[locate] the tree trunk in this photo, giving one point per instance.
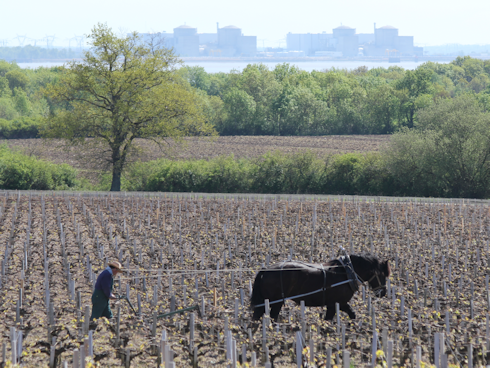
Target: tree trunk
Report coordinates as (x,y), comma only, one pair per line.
(116,178)
(119,152)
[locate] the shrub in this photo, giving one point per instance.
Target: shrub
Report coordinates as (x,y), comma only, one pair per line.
(447,154)
(18,171)
(223,174)
(270,173)
(23,127)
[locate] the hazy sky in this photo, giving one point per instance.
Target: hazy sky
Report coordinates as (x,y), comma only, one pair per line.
(431,22)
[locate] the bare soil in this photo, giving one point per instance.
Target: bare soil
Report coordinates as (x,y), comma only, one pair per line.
(169,245)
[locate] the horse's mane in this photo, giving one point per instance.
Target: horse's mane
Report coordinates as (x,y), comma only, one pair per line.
(370,259)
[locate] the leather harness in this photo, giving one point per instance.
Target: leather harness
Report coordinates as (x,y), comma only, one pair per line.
(352,279)
(351,274)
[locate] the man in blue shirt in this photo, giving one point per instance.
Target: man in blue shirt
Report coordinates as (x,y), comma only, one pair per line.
(103,291)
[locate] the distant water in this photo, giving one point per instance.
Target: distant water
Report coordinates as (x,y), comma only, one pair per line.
(227,66)
(215,67)
(46,64)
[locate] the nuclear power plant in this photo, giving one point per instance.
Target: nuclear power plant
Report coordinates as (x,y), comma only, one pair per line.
(228,41)
(343,42)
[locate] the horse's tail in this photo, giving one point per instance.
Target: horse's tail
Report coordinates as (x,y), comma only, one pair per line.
(257,297)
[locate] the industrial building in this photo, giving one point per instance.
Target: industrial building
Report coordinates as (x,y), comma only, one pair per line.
(387,41)
(342,42)
(345,42)
(186,41)
(228,41)
(231,42)
(161,38)
(309,43)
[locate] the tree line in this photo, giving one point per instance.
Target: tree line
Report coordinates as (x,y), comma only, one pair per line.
(289,101)
(282,101)
(29,53)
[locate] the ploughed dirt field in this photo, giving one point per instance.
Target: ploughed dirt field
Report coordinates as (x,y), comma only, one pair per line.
(195,148)
(181,251)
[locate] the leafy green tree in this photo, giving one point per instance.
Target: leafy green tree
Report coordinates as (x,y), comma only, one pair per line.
(5,67)
(285,72)
(122,90)
(197,77)
(22,104)
(381,107)
(218,83)
(473,68)
(296,111)
(448,154)
(240,109)
(17,79)
(259,83)
(4,87)
(413,86)
(479,83)
(7,109)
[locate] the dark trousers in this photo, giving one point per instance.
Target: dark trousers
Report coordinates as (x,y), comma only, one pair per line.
(100,305)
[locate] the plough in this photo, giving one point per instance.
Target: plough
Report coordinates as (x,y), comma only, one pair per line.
(164,315)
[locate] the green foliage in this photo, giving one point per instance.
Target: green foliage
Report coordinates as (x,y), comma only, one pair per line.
(22,127)
(22,172)
(448,154)
(240,108)
(284,100)
(4,87)
(197,77)
(7,109)
(279,173)
(272,173)
(21,91)
(289,101)
(122,90)
(221,175)
(17,79)
(6,67)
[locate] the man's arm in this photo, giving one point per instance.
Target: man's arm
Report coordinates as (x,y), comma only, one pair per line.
(105,284)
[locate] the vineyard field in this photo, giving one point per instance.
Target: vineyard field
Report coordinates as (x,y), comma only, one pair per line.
(203,251)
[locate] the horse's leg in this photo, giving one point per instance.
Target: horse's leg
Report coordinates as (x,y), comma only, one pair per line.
(275,309)
(330,312)
(347,309)
(258,312)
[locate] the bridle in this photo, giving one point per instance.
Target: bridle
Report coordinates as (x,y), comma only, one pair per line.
(378,289)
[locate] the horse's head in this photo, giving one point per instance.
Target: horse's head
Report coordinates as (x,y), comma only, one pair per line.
(377,282)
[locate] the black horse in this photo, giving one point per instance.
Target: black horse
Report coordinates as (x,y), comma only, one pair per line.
(323,284)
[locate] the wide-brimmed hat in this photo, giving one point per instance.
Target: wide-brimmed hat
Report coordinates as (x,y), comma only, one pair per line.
(116,265)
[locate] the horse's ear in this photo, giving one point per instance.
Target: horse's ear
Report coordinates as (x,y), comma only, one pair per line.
(386,268)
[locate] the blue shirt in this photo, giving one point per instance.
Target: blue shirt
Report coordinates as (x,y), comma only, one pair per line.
(104,282)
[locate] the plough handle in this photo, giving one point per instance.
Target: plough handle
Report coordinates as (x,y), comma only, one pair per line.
(180,311)
(126,298)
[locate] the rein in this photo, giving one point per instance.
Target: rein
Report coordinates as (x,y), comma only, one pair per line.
(300,295)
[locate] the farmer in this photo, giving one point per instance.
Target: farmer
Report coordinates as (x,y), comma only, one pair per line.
(103,291)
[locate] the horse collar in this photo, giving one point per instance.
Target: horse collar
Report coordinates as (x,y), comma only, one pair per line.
(351,274)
